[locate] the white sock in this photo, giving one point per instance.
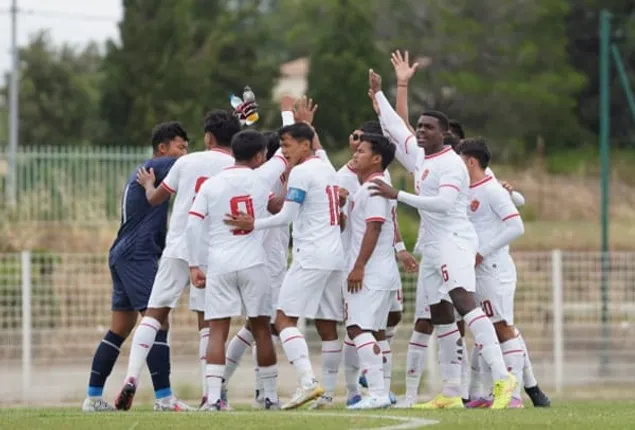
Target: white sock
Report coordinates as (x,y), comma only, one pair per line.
(297,352)
(269,378)
(390,334)
(529,379)
(142,341)
(387,363)
(450,356)
(371,361)
(331,359)
(203,338)
(415,362)
(513,355)
(235,351)
(465,372)
(476,379)
(485,335)
(258,377)
(351,367)
(214,377)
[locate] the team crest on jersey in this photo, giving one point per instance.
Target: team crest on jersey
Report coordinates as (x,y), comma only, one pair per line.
(474,205)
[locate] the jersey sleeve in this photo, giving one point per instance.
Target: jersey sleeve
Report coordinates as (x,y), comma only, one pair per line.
(201,201)
(376,209)
(501,203)
(271,171)
(171,180)
(298,184)
(396,129)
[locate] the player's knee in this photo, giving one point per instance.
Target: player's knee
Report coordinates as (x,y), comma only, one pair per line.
(394,318)
(354,331)
(326,329)
(123,322)
(504,332)
(424,326)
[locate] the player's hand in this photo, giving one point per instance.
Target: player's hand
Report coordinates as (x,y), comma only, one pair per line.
(355,279)
(401,64)
(343,195)
(380,188)
(305,110)
(507,186)
(374,81)
(197,277)
(408,262)
(146,178)
(287,104)
(371,94)
(479,259)
(242,222)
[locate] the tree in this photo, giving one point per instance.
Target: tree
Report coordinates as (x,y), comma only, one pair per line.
(338,79)
(58,93)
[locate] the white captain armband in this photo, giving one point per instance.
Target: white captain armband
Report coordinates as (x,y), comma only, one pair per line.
(296,195)
(400,246)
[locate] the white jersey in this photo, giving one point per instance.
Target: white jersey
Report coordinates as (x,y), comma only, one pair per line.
(276,240)
(381,271)
(316,230)
(433,172)
(347,178)
(236,189)
(185,179)
(490,207)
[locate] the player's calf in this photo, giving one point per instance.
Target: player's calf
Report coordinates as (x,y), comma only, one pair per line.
(266,360)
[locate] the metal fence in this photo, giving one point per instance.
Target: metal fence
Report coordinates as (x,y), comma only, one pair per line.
(74,185)
(54,309)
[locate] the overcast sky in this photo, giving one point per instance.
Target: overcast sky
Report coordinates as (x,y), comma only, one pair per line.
(74,21)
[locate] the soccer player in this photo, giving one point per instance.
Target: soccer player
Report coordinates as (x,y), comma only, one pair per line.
(497,223)
(349,180)
(185,179)
(374,279)
(446,275)
(312,287)
(133,264)
(236,274)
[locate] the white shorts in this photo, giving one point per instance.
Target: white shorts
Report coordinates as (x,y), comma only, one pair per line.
(172,277)
(495,289)
(312,293)
(397,301)
(245,292)
(276,281)
(368,309)
(197,296)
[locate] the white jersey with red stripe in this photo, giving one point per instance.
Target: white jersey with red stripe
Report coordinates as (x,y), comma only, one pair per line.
(381,271)
(236,189)
(347,178)
(185,179)
(433,172)
(490,207)
(316,230)
(276,240)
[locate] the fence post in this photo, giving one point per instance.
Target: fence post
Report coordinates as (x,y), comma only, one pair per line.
(558,319)
(26,325)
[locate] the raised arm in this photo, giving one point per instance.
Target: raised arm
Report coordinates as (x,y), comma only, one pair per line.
(404,72)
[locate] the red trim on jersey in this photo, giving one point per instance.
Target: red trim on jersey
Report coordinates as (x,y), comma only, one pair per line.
(167,188)
(236,167)
(438,154)
(376,219)
(200,215)
(223,150)
(450,186)
(481,182)
(511,216)
(374,175)
(406,143)
(284,160)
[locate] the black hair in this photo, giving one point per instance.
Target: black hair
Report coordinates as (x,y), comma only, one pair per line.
(166,132)
(373,127)
(476,147)
(273,143)
(298,131)
(222,125)
(381,146)
(452,141)
(247,144)
(456,128)
(444,122)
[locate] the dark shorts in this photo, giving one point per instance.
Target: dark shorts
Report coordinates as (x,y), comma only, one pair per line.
(132,283)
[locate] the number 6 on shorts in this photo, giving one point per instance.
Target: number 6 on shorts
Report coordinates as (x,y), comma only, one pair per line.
(444,273)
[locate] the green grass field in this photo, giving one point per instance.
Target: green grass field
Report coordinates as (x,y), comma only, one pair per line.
(573,415)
